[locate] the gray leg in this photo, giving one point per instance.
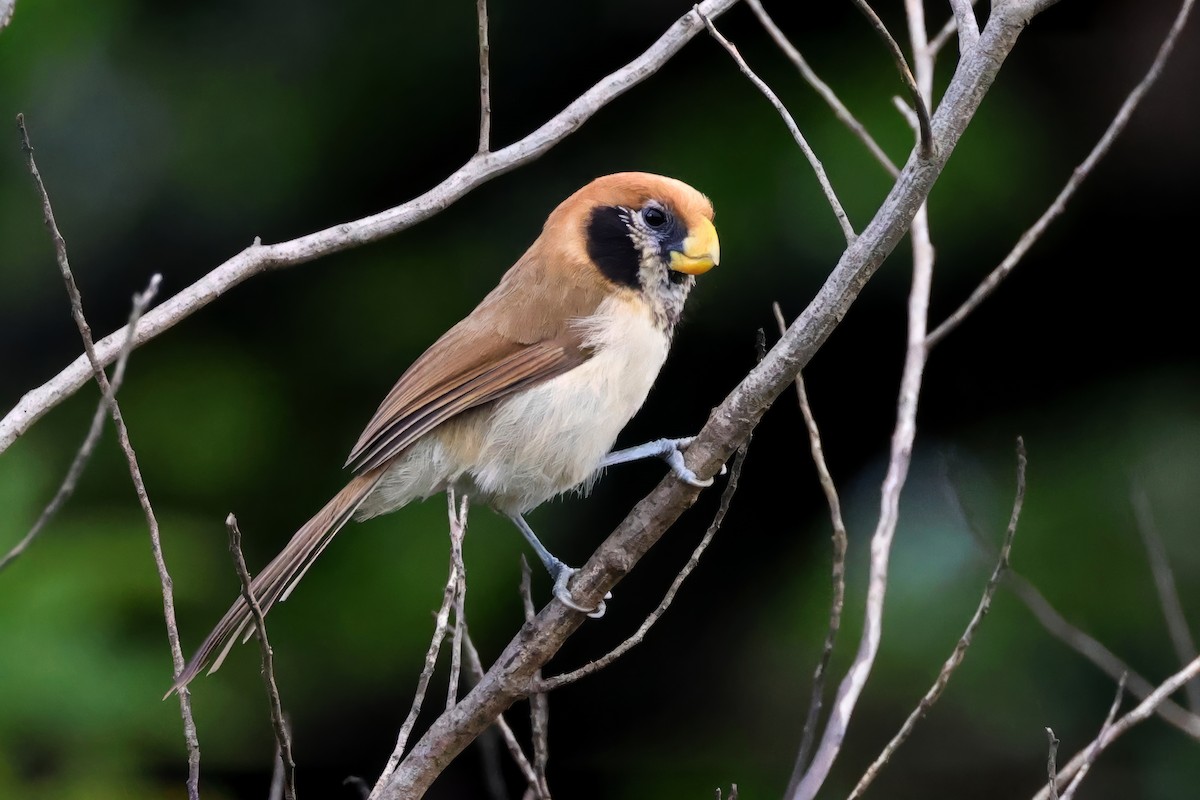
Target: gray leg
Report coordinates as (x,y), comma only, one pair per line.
(559,571)
(669,450)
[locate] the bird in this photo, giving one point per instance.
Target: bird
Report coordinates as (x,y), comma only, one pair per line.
(523,399)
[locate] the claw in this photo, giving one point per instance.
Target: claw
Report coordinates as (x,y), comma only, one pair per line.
(564,594)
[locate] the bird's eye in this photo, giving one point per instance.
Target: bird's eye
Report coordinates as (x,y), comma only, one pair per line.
(655,217)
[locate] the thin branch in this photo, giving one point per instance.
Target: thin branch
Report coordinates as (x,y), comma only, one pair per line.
(960,649)
(948,29)
(838,598)
(881,541)
(793,128)
(440,629)
(510,678)
(7,7)
(135,473)
(910,83)
(282,738)
(539,703)
(1137,715)
(827,94)
(1094,751)
(1164,581)
(639,635)
(485,80)
(257,258)
(1057,626)
(1051,768)
(140,301)
(1081,172)
(458,531)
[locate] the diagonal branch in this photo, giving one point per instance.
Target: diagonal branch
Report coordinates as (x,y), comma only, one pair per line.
(135,473)
(1080,173)
(259,258)
(510,679)
(793,128)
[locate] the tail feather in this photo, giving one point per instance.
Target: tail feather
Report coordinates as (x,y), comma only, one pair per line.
(280,577)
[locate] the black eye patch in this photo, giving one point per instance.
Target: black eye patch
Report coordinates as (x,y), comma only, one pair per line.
(610,248)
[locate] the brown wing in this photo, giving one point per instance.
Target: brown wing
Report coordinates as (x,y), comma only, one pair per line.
(519,336)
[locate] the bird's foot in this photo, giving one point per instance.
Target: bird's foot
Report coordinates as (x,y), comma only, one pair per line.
(672,453)
(563,593)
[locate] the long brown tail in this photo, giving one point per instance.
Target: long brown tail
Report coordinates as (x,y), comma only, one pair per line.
(279,577)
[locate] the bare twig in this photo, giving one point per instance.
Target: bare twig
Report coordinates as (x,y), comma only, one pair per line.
(141,301)
(1138,714)
(485,81)
(282,738)
(838,598)
(639,635)
(910,83)
(539,703)
(793,128)
(881,541)
(827,94)
(440,629)
(258,259)
(1051,769)
(135,473)
(1094,751)
(7,7)
(1168,595)
(458,531)
(475,667)
(1058,627)
(1081,172)
(960,649)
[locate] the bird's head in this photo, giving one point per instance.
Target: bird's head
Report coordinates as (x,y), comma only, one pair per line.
(644,233)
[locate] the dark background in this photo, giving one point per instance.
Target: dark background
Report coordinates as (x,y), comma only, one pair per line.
(170,135)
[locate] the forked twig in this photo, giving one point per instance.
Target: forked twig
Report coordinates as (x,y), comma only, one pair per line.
(440,629)
(1094,751)
(1138,714)
(141,300)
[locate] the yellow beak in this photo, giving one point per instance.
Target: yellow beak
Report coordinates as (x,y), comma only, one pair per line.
(701,250)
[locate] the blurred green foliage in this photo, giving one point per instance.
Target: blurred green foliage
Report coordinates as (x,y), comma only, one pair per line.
(170,135)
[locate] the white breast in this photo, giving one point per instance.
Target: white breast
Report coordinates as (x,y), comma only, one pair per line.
(549,439)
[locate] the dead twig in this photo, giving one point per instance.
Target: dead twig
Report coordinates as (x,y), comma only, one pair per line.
(1168,595)
(485,80)
(838,572)
(135,473)
(1027,240)
(793,128)
(925,126)
(1094,751)
(283,738)
(960,649)
(440,629)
